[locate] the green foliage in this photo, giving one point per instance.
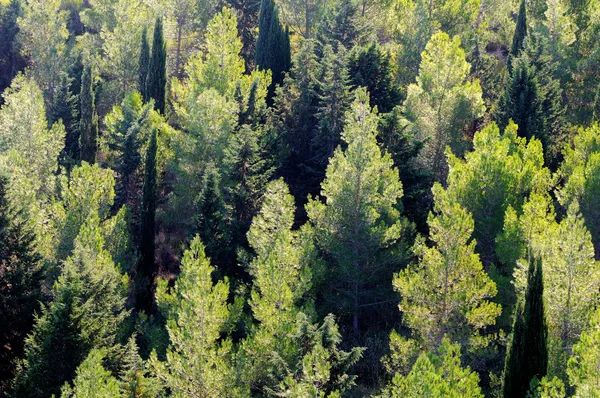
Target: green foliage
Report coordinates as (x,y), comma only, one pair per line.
(500,172)
(87,311)
(11,60)
(580,171)
(21,273)
(371,67)
(92,379)
(527,355)
(43,35)
(437,375)
(88,121)
(64,108)
(156,81)
(546,388)
(520,34)
(446,293)
(199,362)
(443,103)
(358,228)
(583,364)
(144,66)
(272,45)
(146,267)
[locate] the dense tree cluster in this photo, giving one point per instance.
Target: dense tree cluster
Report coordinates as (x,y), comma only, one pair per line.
(299,198)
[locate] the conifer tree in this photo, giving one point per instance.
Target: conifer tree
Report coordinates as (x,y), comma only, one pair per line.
(11,60)
(88,121)
(334,99)
(582,368)
(273,45)
(437,375)
(518,41)
(135,377)
(527,355)
(521,101)
(64,107)
(87,311)
(144,65)
(212,218)
(371,67)
(156,82)
(446,294)
(21,274)
(92,379)
(146,266)
(198,361)
(358,228)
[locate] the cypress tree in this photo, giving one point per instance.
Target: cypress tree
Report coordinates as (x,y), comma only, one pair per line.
(156,81)
(273,45)
(521,100)
(64,107)
(146,266)
(519,36)
(144,64)
(527,355)
(21,274)
(88,122)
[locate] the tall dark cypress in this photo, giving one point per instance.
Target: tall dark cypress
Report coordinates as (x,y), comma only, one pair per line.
(521,102)
(64,107)
(273,45)
(157,72)
(144,65)
(519,35)
(146,265)
(88,122)
(527,355)
(21,274)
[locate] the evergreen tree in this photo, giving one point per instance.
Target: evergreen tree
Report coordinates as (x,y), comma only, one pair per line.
(521,101)
(358,227)
(334,100)
(21,274)
(135,378)
(518,41)
(11,60)
(144,65)
(156,82)
(583,365)
(273,45)
(527,355)
(64,108)
(198,361)
(146,266)
(446,294)
(371,67)
(88,121)
(92,379)
(212,218)
(87,312)
(339,25)
(437,375)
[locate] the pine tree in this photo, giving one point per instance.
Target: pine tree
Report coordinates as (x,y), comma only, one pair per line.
(88,121)
(358,227)
(21,274)
(334,100)
(273,45)
(156,81)
(87,312)
(518,41)
(146,266)
(521,101)
(64,107)
(527,355)
(371,67)
(583,365)
(144,65)
(447,293)
(437,375)
(136,382)
(212,218)
(92,379)
(197,313)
